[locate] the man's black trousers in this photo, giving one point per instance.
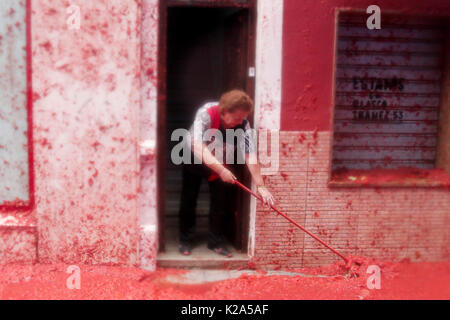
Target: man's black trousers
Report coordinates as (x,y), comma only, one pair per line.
(222,205)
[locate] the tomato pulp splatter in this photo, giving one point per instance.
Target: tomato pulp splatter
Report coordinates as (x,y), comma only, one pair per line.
(403,280)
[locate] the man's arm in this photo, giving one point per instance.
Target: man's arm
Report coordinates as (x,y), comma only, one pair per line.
(202,152)
(255,171)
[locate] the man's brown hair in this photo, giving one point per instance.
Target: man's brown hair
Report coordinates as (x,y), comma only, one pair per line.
(235,100)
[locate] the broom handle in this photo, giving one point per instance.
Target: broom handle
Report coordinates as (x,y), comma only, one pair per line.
(292,221)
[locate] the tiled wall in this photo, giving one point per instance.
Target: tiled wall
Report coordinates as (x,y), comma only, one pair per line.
(383,223)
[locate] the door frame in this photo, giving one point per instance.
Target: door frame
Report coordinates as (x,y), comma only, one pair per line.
(164,5)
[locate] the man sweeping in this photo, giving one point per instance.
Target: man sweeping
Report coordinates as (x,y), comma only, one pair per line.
(214,158)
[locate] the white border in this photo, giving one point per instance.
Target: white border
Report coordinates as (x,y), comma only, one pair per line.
(269,52)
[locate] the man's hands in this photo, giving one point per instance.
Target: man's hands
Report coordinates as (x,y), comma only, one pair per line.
(266,196)
(226,175)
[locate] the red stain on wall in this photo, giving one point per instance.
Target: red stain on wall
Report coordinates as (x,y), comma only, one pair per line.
(86,96)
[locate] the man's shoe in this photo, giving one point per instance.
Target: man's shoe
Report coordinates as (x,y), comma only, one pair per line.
(185,249)
(222,250)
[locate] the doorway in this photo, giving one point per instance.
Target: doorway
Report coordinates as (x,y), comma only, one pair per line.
(208,50)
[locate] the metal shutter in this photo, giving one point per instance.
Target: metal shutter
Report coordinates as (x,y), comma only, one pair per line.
(387,92)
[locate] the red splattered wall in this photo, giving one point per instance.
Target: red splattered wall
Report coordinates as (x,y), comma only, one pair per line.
(388,223)
(85,107)
(384,223)
(88,92)
(91,106)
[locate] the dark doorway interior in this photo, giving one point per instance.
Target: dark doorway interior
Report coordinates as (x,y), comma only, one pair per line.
(206,56)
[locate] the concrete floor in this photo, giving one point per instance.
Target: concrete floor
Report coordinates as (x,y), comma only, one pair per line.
(201,257)
(207,266)
(198,276)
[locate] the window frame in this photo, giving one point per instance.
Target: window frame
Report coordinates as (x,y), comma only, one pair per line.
(362,178)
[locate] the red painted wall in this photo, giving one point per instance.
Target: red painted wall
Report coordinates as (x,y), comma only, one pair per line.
(308,55)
